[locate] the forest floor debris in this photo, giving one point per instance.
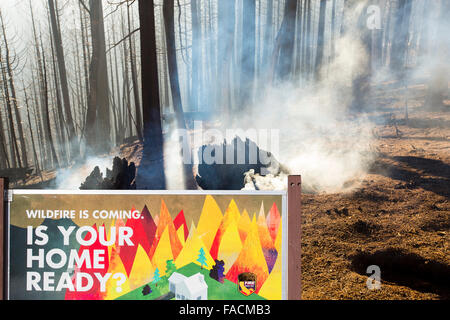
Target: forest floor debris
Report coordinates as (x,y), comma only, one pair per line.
(399,219)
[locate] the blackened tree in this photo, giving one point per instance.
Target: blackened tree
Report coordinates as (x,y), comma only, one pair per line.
(151,172)
(217,271)
(146,290)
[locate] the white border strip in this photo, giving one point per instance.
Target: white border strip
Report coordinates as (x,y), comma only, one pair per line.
(8,232)
(151,192)
(284,248)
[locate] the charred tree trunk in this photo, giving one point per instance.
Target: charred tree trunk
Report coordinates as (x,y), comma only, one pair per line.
(320,40)
(98,114)
(212,74)
(308,41)
(120,177)
(225,51)
(37,101)
(333,31)
(400,42)
(4,160)
(166,98)
(13,146)
(168,12)
(126,83)
(85,49)
(38,120)
(299,39)
(13,100)
(33,145)
(248,38)
(386,35)
(61,129)
(137,101)
(286,40)
(68,120)
(113,100)
(377,46)
(362,76)
(79,92)
(425,34)
(196,55)
(268,35)
(151,173)
(47,124)
(6,137)
(120,125)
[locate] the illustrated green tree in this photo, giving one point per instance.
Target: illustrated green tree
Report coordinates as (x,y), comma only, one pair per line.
(202,258)
(170,267)
(156,277)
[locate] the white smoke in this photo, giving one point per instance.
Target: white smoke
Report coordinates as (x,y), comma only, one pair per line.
(71,178)
(173,162)
(319,138)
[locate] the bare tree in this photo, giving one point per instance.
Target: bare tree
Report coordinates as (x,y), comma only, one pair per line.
(46,111)
(320,40)
(98,113)
(308,40)
(151,174)
(226,25)
(248,43)
(33,144)
(68,119)
(196,54)
(13,99)
(401,36)
(286,40)
(168,12)
(4,160)
(134,80)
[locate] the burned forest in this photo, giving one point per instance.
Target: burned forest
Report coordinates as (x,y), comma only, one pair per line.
(238,95)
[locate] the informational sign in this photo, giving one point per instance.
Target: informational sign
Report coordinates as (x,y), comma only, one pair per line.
(136,245)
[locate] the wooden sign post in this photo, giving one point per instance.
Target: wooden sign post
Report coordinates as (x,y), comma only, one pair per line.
(3,185)
(294,237)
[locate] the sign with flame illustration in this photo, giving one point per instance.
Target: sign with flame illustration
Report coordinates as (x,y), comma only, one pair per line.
(147,245)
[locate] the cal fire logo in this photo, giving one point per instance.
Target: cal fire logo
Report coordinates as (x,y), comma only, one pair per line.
(247,283)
